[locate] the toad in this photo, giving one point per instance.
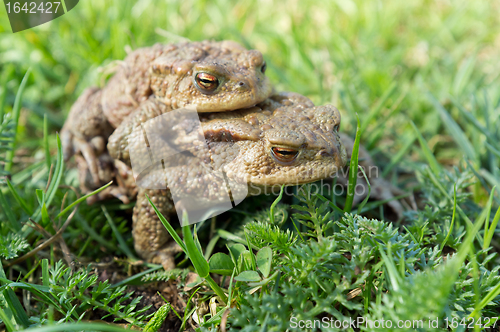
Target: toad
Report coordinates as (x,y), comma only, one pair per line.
(210,76)
(285,140)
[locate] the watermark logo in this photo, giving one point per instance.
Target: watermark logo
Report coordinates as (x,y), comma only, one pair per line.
(170,151)
(31,13)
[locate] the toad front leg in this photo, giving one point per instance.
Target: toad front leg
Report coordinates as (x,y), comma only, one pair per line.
(151,240)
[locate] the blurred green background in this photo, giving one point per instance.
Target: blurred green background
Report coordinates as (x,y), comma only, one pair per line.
(349,53)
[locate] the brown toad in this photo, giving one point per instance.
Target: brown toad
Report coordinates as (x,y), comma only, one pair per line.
(211,76)
(284,140)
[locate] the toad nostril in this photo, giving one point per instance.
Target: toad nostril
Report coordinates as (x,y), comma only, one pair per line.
(242,85)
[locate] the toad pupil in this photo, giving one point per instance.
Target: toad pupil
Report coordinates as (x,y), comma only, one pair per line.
(206,81)
(284,155)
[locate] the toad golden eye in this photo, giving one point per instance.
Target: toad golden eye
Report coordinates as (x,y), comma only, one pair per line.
(284,155)
(206,81)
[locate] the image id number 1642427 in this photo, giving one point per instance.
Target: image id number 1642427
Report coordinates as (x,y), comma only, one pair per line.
(32,7)
(485,322)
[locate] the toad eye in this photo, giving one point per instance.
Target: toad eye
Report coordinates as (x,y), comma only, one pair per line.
(263,68)
(284,155)
(206,82)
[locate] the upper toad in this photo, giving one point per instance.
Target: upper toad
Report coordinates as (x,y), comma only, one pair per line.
(210,76)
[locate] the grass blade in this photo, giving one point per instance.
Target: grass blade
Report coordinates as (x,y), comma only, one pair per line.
(276,201)
(169,227)
(5,78)
(45,272)
(16,112)
(492,149)
(487,299)
(210,246)
(452,219)
(3,94)
(373,205)
(331,204)
(6,320)
(394,275)
(488,236)
(429,156)
(6,314)
(58,173)
(472,120)
(13,304)
(438,185)
(353,170)
(122,244)
(463,75)
(8,212)
(199,262)
(46,140)
(363,203)
(399,155)
(81,199)
(374,113)
(137,276)
(454,130)
(18,198)
(93,234)
(487,212)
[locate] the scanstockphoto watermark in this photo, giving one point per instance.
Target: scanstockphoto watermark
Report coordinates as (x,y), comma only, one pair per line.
(360,322)
(209,177)
(384,324)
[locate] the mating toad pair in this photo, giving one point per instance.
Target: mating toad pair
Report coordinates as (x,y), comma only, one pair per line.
(252,132)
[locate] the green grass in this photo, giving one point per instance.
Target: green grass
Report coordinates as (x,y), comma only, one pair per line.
(424,79)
